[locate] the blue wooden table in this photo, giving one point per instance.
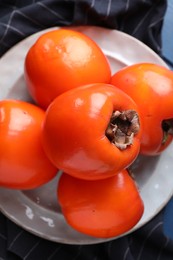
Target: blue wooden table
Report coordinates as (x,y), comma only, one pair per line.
(167,53)
(167,34)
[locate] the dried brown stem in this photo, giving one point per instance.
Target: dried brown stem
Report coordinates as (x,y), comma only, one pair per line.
(122,128)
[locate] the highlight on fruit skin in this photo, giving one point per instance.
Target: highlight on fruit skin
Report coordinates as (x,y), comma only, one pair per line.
(103,208)
(62,59)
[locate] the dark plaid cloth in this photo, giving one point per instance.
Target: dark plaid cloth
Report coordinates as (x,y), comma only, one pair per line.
(147,243)
(142,19)
(139,18)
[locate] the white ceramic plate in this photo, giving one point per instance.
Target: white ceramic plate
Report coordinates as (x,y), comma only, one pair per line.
(37,210)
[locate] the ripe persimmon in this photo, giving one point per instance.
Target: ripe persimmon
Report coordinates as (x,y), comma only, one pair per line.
(151,87)
(101,208)
(62,59)
(92,132)
(23,162)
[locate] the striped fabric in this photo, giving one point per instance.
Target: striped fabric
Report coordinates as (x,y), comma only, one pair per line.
(142,19)
(147,243)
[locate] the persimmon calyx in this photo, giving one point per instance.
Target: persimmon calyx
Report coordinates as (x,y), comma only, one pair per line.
(122,128)
(167,126)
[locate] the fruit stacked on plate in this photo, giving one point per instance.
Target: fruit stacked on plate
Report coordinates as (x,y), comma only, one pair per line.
(89,122)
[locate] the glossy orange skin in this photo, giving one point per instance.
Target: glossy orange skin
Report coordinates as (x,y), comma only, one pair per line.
(100,208)
(23,163)
(61,60)
(151,87)
(74,132)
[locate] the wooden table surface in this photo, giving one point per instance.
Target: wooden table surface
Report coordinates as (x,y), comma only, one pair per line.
(167,34)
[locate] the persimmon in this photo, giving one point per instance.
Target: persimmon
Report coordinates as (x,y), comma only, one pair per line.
(100,208)
(23,162)
(92,131)
(62,59)
(151,88)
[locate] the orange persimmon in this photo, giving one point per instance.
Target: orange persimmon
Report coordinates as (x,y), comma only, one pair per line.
(92,131)
(62,59)
(23,162)
(100,208)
